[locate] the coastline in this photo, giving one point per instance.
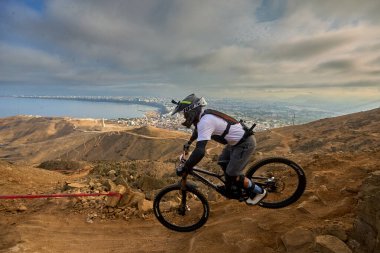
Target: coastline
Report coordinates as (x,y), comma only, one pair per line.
(84,108)
(124,100)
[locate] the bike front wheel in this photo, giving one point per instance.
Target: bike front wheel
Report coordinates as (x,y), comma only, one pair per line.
(181,210)
(283,179)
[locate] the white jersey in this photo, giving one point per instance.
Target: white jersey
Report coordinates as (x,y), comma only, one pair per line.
(210,124)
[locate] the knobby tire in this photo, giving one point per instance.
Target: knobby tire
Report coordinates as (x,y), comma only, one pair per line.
(158,208)
(300,176)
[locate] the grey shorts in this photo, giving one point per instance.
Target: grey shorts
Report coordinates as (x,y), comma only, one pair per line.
(234,158)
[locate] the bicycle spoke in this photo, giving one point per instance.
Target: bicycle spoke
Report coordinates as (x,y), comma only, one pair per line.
(175,213)
(280,180)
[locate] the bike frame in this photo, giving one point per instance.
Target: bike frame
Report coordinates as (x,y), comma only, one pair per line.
(196,173)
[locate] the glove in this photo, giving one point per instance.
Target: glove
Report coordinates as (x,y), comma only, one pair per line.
(180,170)
(186,147)
(183,160)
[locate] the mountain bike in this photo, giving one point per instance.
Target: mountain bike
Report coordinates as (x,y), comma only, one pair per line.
(183,207)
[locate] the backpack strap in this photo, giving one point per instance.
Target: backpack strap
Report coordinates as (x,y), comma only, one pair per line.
(230,121)
(226,130)
(222,115)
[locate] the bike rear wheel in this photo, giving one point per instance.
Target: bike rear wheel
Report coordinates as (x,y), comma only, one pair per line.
(181,210)
(283,179)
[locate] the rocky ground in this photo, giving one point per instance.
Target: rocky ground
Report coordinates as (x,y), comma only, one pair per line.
(339,211)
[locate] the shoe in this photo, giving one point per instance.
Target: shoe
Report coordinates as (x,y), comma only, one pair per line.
(256,198)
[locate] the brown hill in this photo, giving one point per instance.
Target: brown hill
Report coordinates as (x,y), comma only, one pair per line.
(338,154)
(37,139)
(34,139)
(146,143)
(350,133)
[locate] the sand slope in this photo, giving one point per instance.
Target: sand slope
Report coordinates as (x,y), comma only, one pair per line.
(37,139)
(337,155)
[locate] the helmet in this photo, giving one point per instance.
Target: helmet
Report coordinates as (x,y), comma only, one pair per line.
(191,107)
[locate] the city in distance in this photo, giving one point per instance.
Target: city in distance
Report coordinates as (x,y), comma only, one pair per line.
(265,113)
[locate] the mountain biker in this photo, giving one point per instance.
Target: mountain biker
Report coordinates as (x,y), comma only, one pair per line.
(210,124)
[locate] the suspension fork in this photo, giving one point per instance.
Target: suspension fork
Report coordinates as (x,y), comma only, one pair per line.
(182,207)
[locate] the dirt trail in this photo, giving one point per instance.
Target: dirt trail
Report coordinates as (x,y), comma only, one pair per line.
(232,225)
(284,141)
(71,233)
(51,225)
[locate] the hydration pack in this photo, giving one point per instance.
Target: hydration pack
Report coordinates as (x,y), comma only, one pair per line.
(248,131)
(230,121)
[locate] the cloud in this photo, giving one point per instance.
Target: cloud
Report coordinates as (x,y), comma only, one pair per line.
(339,12)
(20,63)
(208,46)
(270,10)
(309,47)
(337,65)
(375,61)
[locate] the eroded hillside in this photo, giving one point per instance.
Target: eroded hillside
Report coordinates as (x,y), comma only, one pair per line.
(338,155)
(37,139)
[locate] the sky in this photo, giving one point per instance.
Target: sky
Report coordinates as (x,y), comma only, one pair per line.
(316,50)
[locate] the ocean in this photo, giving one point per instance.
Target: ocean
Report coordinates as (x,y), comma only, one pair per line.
(12,106)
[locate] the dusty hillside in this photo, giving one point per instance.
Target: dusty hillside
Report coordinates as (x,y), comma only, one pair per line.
(37,139)
(338,155)
(351,133)
(134,144)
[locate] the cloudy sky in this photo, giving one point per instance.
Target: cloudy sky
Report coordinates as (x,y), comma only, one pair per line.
(220,48)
